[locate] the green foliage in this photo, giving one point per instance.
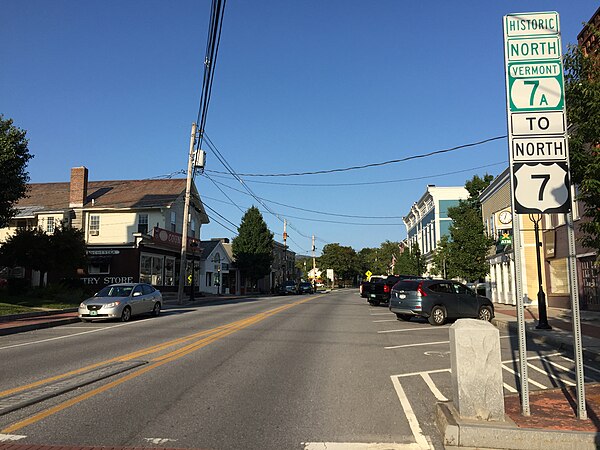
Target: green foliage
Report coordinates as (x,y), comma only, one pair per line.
(410,261)
(441,259)
(476,185)
(253,246)
(14,155)
(582,91)
(304,265)
(379,260)
(343,260)
(61,253)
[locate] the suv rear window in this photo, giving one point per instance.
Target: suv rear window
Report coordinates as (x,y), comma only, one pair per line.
(407,285)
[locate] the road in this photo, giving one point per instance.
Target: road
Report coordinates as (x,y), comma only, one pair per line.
(291,372)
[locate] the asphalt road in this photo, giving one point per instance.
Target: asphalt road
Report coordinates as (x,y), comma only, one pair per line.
(293,372)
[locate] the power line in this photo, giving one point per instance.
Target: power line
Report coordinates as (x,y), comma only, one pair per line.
(312,210)
(393,161)
(224,218)
(224,226)
(366,183)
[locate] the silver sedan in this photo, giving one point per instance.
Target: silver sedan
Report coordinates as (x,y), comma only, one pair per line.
(121,301)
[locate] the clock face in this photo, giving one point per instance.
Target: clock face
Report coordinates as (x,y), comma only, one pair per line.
(505,217)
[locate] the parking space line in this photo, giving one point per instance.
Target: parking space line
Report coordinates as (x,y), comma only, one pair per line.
(380,314)
(586,366)
(412,374)
(411,329)
(413,423)
(554,377)
(416,345)
(440,397)
(566,369)
(385,320)
(509,388)
(535,383)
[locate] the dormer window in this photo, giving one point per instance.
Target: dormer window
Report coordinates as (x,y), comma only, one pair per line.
(143,223)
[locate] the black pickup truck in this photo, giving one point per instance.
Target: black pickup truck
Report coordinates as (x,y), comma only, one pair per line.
(380,291)
(365,285)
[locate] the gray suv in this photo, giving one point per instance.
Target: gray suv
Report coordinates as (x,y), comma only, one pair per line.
(437,301)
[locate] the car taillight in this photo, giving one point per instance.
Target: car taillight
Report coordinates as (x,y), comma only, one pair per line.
(420,291)
(386,288)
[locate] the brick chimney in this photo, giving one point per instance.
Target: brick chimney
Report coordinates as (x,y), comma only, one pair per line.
(78,187)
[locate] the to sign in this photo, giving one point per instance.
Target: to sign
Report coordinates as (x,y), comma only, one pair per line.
(538,147)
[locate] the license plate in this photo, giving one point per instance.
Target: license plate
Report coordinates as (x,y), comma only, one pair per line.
(372,295)
(93,313)
(401,295)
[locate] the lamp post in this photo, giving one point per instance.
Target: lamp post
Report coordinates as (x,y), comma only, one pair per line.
(193,245)
(543,319)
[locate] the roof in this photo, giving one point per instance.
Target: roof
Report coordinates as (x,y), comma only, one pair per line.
(107,194)
(207,247)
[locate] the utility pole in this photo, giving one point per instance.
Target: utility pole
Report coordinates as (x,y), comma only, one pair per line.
(284,250)
(186,212)
(314,264)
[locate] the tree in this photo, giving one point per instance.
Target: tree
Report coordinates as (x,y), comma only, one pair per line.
(343,261)
(410,261)
(14,155)
(379,260)
(253,246)
(582,91)
(59,254)
(466,250)
(441,259)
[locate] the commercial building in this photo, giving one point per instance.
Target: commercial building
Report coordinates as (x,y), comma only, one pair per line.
(427,220)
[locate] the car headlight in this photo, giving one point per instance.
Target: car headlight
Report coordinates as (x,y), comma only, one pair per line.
(112,305)
(82,305)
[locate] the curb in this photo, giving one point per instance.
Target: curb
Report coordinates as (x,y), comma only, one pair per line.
(37,326)
(457,432)
(11,317)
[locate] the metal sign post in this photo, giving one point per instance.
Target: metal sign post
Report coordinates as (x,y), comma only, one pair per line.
(538,153)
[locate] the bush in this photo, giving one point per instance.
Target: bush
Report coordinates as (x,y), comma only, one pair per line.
(18,286)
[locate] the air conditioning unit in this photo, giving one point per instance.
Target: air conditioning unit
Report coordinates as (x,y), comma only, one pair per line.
(94,232)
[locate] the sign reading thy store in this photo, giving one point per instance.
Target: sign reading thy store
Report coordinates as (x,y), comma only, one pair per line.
(538,148)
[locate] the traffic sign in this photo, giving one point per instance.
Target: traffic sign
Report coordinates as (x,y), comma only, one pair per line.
(538,146)
(541,187)
(368,273)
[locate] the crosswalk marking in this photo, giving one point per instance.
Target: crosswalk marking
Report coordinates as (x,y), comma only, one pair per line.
(535,383)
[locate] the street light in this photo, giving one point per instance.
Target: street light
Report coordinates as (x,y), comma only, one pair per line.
(193,245)
(543,319)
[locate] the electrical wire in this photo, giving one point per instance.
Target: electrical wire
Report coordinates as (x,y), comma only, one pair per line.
(364,166)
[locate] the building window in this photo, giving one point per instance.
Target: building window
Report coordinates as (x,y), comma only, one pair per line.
(193,228)
(209,276)
(173,221)
(98,268)
(151,268)
(50,225)
(143,223)
(559,280)
(94,225)
(169,271)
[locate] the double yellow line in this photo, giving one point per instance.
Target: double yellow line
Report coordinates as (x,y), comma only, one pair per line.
(206,337)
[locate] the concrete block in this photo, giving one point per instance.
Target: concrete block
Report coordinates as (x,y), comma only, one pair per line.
(477,383)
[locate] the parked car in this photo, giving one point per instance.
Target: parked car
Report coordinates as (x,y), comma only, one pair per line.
(305,287)
(365,286)
(437,301)
(380,291)
(288,287)
(121,301)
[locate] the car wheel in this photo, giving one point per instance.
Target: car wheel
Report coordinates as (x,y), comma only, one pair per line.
(374,302)
(485,313)
(126,314)
(156,309)
(405,317)
(437,316)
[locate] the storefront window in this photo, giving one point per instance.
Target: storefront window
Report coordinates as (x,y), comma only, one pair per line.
(169,271)
(559,280)
(151,268)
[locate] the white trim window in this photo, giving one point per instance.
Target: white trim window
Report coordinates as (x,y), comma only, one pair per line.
(142,223)
(50,225)
(173,221)
(94,225)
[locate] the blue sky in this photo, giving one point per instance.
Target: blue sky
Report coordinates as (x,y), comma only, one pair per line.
(299,86)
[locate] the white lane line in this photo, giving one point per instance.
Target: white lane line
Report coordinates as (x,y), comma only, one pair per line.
(380,314)
(416,345)
(411,329)
(385,320)
(10,437)
(509,388)
(72,335)
(440,397)
(535,383)
(554,377)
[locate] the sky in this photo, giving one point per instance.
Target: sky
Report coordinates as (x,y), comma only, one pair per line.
(299,86)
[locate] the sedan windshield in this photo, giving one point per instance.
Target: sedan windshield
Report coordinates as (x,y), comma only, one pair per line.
(114,291)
